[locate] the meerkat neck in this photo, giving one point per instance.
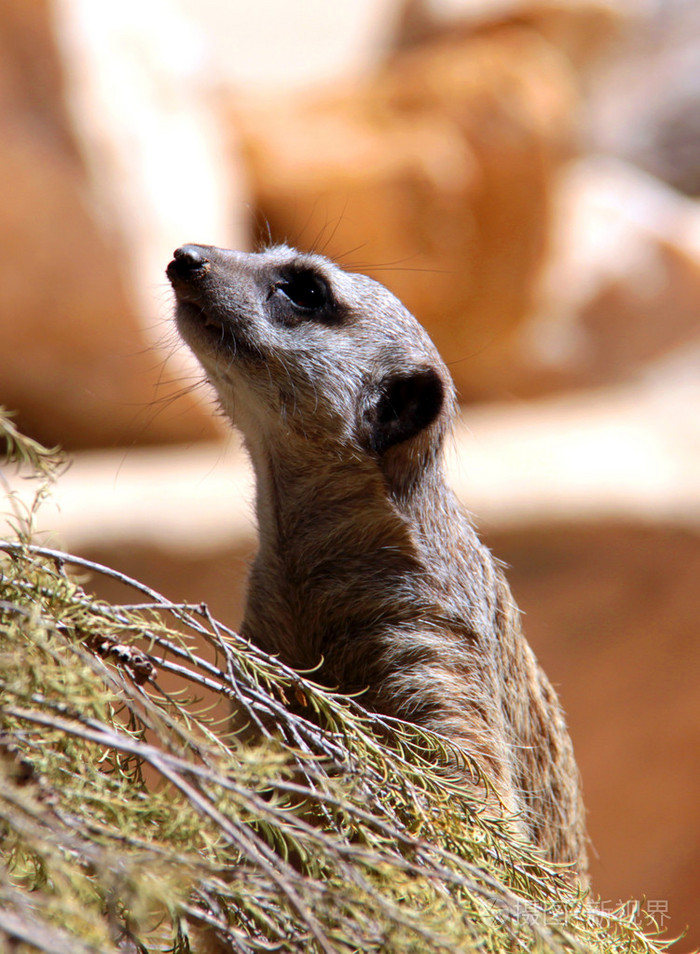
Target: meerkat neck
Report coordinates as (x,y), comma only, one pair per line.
(308,509)
(328,532)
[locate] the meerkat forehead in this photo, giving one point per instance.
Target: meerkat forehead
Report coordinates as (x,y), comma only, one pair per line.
(294,337)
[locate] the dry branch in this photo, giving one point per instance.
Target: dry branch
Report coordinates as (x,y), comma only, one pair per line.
(133,817)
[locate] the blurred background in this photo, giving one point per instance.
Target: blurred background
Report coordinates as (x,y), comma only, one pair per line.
(525,176)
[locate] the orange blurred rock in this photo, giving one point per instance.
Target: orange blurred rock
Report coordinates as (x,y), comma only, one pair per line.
(434,176)
(74,360)
(579,28)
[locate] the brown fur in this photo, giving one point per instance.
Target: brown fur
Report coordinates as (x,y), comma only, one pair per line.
(366,560)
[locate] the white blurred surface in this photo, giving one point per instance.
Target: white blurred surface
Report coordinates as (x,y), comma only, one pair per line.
(277,45)
(141,100)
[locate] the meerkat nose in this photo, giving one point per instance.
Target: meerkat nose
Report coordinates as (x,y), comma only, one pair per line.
(190,256)
(187,261)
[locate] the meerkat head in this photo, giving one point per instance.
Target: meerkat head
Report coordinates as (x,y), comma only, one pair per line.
(300,350)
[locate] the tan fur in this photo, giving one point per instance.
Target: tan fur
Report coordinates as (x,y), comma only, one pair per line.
(366,560)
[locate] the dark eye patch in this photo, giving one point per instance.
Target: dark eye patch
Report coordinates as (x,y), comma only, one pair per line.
(305,289)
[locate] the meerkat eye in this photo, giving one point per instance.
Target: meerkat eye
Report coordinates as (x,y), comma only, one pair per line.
(305,290)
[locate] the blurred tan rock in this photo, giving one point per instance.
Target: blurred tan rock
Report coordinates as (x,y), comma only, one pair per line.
(622,290)
(433,176)
(581,29)
(78,361)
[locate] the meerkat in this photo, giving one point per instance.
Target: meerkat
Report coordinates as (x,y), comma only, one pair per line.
(368,568)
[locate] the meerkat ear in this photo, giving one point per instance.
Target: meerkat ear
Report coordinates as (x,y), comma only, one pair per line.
(406,405)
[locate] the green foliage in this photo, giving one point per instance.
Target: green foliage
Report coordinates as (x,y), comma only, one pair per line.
(136,815)
(38,463)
